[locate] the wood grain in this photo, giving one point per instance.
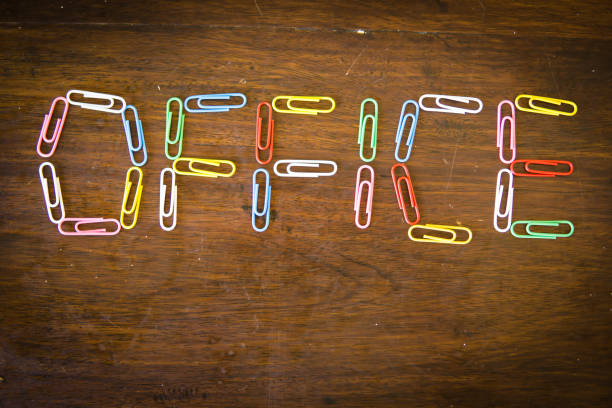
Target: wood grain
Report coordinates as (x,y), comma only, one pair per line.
(313,312)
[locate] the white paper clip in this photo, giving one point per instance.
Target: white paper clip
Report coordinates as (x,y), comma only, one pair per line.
(162,200)
(96,106)
(304,163)
(448,108)
(58,201)
(499,192)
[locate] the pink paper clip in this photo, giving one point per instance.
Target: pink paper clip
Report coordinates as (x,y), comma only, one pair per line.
(86,221)
(268,146)
(58,128)
(358,190)
(501,122)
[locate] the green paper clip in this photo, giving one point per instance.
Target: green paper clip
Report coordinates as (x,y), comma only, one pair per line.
(178,139)
(363,120)
(542,235)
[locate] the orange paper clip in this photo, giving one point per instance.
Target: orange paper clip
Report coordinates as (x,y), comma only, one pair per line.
(529,172)
(400,197)
(268,144)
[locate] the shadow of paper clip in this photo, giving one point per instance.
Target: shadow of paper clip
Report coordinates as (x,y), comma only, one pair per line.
(265,212)
(447,229)
(172,205)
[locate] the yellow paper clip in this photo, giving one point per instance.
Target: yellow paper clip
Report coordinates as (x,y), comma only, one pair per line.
(126,193)
(450,229)
(203,173)
(545,111)
(303,111)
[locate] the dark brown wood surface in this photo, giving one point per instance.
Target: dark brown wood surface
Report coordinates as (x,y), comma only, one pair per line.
(312,312)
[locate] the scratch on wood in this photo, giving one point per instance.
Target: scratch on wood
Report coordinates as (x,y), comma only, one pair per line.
(257,7)
(348,71)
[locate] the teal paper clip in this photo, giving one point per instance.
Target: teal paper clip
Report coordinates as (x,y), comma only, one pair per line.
(542,235)
(201,108)
(178,139)
(363,120)
(128,134)
(400,129)
(265,212)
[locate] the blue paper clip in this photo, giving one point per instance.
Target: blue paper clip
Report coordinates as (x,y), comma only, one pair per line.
(214,108)
(266,207)
(128,136)
(400,129)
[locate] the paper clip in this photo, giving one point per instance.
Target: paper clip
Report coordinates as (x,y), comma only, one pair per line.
(532,107)
(501,124)
(304,163)
(542,235)
(265,212)
(193,171)
(400,197)
(358,192)
(400,129)
(126,193)
(214,108)
(128,135)
(162,200)
(96,106)
(57,201)
(450,229)
(363,120)
(86,221)
(58,128)
(269,140)
(499,192)
(303,111)
(541,173)
(178,139)
(448,108)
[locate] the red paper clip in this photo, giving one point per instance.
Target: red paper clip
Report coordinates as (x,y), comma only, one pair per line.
(399,195)
(542,173)
(268,145)
(58,128)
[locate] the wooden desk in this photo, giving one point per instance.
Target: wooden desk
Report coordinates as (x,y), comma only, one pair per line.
(312,312)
